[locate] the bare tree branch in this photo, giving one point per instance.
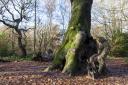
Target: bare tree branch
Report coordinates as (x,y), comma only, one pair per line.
(15,6)
(6,7)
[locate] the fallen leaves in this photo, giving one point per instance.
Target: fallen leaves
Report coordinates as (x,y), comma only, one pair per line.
(29,73)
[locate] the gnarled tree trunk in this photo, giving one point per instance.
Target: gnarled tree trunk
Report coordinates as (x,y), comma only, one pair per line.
(20,43)
(78,45)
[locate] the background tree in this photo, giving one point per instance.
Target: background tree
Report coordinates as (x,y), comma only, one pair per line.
(64,14)
(34,42)
(13,18)
(4,43)
(50,6)
(112,24)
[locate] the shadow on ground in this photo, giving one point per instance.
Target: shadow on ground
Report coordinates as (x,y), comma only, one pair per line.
(20,73)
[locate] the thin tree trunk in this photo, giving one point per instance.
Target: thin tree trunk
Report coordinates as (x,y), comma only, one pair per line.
(34,49)
(20,43)
(13,43)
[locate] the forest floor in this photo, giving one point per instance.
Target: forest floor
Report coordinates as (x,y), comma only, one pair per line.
(30,73)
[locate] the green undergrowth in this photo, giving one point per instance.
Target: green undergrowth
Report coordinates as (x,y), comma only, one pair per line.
(111,57)
(16,58)
(126,60)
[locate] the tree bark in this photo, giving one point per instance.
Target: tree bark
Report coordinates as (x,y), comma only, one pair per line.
(78,45)
(20,43)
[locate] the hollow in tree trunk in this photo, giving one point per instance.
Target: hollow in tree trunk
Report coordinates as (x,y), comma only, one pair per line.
(78,45)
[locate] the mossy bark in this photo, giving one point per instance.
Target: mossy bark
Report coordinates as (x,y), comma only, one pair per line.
(78,45)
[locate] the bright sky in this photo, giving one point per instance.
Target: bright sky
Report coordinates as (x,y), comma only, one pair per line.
(99,8)
(57,18)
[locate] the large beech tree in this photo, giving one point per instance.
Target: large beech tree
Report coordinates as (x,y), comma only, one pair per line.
(78,45)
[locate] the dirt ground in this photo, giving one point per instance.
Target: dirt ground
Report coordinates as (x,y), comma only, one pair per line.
(30,73)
